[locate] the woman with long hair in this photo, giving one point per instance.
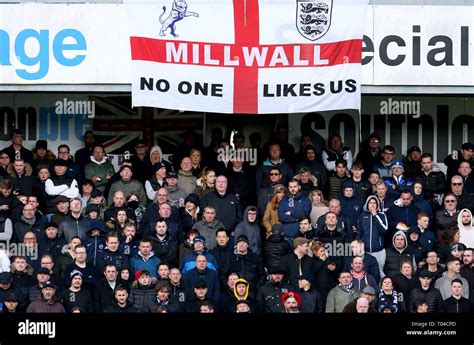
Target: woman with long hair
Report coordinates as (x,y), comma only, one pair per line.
(319,205)
(205,184)
(270,217)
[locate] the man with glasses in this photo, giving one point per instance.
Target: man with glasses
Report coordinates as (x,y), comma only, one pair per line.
(265,194)
(384,166)
(448,215)
(465,200)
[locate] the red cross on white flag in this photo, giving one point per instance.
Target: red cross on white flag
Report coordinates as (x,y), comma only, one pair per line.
(247,56)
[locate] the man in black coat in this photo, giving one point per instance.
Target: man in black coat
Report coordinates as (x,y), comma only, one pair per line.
(424,291)
(103,296)
(297,262)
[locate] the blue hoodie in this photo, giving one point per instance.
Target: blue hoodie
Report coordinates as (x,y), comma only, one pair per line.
(372,229)
(94,244)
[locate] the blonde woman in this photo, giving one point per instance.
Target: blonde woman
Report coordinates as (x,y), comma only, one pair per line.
(319,205)
(205,184)
(270,216)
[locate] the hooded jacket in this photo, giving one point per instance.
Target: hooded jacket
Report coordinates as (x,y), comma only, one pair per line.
(466,232)
(443,284)
(251,230)
(399,213)
(274,250)
(372,229)
(351,207)
(95,244)
(394,256)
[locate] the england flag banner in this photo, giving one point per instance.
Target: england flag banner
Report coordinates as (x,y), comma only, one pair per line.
(247,56)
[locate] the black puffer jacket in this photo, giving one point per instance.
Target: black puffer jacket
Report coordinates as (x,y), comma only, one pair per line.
(432,297)
(433,182)
(274,249)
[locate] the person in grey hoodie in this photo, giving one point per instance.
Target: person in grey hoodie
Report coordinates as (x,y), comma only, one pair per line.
(398,252)
(250,228)
(372,227)
(443,284)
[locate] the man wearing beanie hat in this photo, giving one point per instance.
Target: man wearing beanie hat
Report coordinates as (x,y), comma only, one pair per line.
(199,248)
(247,264)
(397,181)
(190,213)
(41,154)
(370,154)
(85,268)
(314,165)
(76,296)
(51,243)
(412,161)
(291,300)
